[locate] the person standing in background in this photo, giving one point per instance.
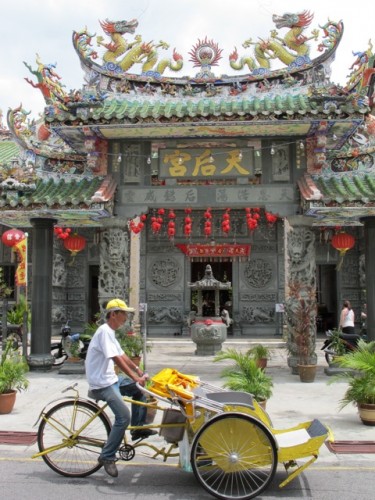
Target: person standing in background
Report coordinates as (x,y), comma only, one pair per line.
(347,318)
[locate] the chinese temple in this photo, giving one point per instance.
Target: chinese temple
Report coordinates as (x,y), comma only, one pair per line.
(266,174)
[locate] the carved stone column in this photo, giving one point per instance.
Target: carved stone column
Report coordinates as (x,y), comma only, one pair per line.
(300,303)
(41,298)
(114,264)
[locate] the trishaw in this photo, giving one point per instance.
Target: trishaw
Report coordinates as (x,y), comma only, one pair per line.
(224,437)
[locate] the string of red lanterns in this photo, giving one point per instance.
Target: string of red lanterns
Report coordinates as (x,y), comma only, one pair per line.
(188,222)
(253,216)
(157,222)
(225,223)
(208,223)
(171,224)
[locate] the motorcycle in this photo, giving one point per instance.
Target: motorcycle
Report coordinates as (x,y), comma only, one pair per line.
(70,345)
(338,343)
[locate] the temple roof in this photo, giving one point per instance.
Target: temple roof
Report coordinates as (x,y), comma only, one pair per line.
(287,105)
(338,199)
(81,202)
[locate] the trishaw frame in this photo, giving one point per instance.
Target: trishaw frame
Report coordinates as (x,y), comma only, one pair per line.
(234,449)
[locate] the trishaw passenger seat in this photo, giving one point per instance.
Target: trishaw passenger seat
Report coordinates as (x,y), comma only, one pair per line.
(232,397)
(316,428)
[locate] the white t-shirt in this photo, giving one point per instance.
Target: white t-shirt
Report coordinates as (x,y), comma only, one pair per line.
(99,364)
(348,319)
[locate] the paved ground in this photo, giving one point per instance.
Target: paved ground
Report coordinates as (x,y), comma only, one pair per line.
(292,402)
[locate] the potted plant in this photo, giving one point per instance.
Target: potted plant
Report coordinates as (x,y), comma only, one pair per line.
(132,343)
(300,316)
(261,354)
(244,374)
(13,368)
(359,372)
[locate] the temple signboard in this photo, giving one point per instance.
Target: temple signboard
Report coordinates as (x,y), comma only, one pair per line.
(200,163)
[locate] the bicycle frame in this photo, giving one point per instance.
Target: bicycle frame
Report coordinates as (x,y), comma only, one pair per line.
(72,438)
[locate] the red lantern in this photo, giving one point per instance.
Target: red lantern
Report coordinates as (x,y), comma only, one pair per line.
(74,243)
(62,233)
(12,237)
(342,242)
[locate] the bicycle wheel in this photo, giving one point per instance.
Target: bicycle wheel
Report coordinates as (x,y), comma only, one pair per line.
(73,456)
(234,456)
(59,356)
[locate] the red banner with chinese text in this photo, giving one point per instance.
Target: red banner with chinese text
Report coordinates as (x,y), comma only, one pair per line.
(224,251)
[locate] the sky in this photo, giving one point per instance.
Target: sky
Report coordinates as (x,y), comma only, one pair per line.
(45,27)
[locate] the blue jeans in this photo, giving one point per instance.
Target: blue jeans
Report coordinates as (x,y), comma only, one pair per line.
(121,412)
(129,388)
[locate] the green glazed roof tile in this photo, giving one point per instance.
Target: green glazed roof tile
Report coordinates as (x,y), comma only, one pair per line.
(54,194)
(356,187)
(169,106)
(9,150)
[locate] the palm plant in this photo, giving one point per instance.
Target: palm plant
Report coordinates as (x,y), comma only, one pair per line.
(13,368)
(360,374)
(261,353)
(244,374)
(16,315)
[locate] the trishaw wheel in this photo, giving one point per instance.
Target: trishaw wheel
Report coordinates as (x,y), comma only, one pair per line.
(234,456)
(68,456)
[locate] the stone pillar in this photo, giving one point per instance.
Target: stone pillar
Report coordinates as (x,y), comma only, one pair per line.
(300,297)
(41,298)
(369,226)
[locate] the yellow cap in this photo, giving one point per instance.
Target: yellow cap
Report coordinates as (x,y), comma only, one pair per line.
(118,305)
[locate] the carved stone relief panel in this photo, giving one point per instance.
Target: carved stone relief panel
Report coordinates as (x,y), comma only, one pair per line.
(114,264)
(350,271)
(76,273)
(164,273)
(59,272)
(59,314)
(164,297)
(301,255)
(165,314)
(258,313)
(259,297)
(76,313)
(258,272)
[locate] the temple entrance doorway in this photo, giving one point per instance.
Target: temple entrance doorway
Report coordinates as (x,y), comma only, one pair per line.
(222,271)
(326,290)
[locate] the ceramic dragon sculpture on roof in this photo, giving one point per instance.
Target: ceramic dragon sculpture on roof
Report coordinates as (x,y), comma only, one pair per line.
(292,49)
(120,54)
